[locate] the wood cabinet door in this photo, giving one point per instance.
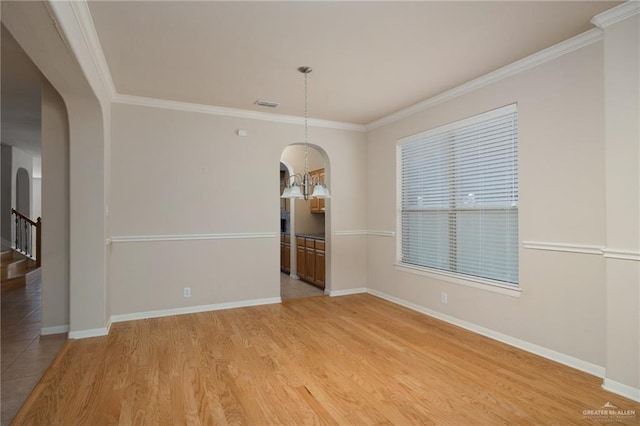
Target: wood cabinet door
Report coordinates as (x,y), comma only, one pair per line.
(300,258)
(320,269)
(282,256)
(287,257)
(316,205)
(309,265)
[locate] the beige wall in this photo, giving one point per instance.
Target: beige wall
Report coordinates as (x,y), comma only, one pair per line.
(55,210)
(561,149)
(185,173)
(622,112)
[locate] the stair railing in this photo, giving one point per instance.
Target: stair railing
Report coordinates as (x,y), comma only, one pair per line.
(24,230)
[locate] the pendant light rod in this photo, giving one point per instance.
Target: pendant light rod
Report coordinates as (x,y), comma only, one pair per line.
(301,185)
(306,186)
(306,71)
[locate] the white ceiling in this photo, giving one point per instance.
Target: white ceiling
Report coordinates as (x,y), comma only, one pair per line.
(369,59)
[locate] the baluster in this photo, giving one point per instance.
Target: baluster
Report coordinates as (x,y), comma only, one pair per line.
(23,233)
(26,237)
(39,242)
(27,240)
(16,229)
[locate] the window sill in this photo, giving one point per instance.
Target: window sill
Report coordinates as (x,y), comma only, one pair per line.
(479,283)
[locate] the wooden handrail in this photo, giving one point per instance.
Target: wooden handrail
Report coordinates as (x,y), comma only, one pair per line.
(17,213)
(22,239)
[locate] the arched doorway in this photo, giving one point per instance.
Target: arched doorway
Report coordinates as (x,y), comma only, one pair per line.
(23,192)
(80,111)
(304,242)
(70,110)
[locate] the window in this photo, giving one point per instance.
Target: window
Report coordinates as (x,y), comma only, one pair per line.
(459,198)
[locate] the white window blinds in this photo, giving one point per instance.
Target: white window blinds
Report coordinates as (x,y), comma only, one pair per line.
(459,197)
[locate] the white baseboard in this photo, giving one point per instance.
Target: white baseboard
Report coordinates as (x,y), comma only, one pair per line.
(91,332)
(621,389)
(34,277)
(194,309)
(58,329)
(561,358)
(6,244)
(347,292)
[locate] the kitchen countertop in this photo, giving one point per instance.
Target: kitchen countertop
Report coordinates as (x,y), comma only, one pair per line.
(312,236)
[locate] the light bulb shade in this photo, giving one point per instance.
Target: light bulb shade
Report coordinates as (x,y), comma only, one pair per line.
(320,191)
(295,192)
(286,193)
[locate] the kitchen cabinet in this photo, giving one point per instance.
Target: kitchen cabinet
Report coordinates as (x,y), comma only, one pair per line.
(317,205)
(300,250)
(285,253)
(319,264)
(311,260)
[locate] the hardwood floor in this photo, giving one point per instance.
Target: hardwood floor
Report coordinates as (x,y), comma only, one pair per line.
(25,354)
(345,360)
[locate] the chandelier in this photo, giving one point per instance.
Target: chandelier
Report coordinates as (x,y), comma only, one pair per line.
(303,185)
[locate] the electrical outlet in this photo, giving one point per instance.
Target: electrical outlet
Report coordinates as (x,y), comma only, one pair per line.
(443,297)
(186,292)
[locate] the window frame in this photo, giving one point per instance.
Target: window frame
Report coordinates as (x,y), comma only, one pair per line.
(488,284)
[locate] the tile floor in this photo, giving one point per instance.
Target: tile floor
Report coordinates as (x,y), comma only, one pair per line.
(293,289)
(25,354)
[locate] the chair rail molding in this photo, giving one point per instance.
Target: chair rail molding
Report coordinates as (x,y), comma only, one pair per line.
(621,254)
(564,247)
(366,232)
(191,237)
(607,252)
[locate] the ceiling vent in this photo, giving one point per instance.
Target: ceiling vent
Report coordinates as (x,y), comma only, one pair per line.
(267,104)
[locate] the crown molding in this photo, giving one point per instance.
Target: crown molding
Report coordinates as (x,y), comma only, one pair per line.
(581,40)
(233,112)
(87,28)
(84,21)
(616,14)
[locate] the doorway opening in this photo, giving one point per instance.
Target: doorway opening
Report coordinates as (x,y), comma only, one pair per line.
(34,298)
(23,192)
(303,226)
